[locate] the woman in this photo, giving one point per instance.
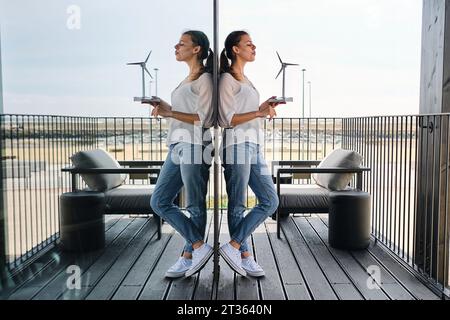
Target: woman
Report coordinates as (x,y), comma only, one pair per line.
(189,117)
(243,119)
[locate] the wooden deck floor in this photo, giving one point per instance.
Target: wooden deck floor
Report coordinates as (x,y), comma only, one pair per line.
(300,266)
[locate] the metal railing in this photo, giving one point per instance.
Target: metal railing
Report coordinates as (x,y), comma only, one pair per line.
(409,215)
(34,149)
(409,185)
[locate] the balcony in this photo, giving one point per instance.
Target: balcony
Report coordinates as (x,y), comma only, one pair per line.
(302,267)
(407,258)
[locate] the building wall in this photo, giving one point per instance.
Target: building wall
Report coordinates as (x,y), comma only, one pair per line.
(435,64)
(431,224)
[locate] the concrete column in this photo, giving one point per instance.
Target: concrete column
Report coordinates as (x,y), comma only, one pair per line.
(433,141)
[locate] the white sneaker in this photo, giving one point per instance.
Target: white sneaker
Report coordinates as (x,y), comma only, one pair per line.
(179,268)
(232,257)
(200,257)
(252,267)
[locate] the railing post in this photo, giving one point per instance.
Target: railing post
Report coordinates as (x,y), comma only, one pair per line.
(216,168)
(2,210)
(359,180)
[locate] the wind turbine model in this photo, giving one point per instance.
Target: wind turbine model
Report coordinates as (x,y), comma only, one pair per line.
(284,65)
(144,69)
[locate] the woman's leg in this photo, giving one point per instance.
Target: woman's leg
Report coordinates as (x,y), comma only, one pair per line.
(236,162)
(260,181)
(167,187)
(195,178)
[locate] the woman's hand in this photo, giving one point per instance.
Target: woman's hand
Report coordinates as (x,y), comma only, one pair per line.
(158,102)
(266,104)
(268,111)
(161,111)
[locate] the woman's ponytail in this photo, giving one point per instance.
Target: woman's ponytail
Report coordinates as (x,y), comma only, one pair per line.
(209,62)
(224,63)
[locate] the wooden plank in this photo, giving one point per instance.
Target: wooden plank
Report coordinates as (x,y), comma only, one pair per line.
(111,221)
(111,280)
(226,281)
(135,280)
(156,286)
(413,285)
(92,274)
(246,287)
(111,218)
(341,284)
(315,279)
(32,280)
(183,288)
(59,261)
(390,285)
(53,288)
(359,276)
(270,285)
(205,278)
(292,278)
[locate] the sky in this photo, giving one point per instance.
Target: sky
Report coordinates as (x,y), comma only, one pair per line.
(362,57)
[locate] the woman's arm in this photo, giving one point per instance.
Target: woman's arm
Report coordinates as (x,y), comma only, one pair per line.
(190,118)
(265,109)
(163,109)
(244,117)
(202,88)
(227,110)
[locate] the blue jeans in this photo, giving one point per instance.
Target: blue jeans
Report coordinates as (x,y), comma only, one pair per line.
(184,166)
(245,166)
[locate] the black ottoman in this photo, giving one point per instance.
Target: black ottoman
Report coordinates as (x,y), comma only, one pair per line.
(82,221)
(349,220)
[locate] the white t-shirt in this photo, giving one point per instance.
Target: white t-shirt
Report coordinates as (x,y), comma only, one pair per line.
(238,97)
(192,97)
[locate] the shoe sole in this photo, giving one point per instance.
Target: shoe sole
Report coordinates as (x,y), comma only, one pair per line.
(174,275)
(231,264)
(201,265)
(256,274)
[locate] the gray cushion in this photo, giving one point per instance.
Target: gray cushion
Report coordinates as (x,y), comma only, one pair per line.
(305,196)
(98,158)
(129,199)
(338,158)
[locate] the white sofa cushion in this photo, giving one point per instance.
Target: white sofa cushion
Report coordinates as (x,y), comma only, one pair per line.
(98,158)
(338,158)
